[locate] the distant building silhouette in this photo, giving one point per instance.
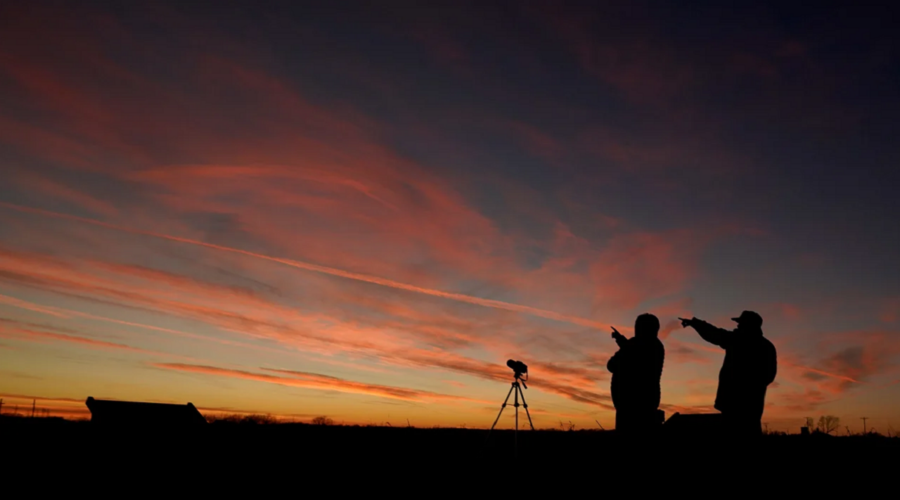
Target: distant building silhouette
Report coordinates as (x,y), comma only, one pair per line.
(127,413)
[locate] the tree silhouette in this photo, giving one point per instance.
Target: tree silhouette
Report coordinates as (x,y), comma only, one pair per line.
(322,421)
(829,424)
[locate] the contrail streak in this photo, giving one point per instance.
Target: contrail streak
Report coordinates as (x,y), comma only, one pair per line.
(824,373)
(69,313)
(331,271)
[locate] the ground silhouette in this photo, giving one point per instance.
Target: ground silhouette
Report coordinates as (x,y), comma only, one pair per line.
(262,435)
(267,459)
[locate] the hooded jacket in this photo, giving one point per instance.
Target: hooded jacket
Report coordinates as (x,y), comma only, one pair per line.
(636,372)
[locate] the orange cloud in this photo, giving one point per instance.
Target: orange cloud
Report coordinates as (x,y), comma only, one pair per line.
(227,307)
(40,398)
(320,382)
(69,313)
(12,301)
(29,334)
(242,311)
(237,309)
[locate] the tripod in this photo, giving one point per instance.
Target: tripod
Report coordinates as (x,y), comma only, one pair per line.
(517,388)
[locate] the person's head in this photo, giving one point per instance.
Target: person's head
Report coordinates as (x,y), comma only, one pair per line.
(749,322)
(646,325)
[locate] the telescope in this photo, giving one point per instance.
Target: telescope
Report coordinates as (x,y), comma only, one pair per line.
(519,368)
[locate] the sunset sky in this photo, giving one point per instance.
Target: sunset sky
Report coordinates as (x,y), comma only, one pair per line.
(363,209)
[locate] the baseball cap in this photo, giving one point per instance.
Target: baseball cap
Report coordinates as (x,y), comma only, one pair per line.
(749,318)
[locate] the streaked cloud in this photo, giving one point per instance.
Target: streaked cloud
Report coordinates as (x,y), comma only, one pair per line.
(321,382)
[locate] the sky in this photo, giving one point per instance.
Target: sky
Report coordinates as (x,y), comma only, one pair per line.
(361,210)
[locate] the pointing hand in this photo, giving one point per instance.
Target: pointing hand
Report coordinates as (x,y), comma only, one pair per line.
(686,322)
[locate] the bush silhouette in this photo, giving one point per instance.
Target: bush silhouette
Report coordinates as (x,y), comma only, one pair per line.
(244,419)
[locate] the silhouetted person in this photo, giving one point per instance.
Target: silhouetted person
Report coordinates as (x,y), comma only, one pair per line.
(636,371)
(750,366)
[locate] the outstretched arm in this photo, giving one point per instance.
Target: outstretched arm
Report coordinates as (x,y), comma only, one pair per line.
(620,339)
(712,334)
(616,361)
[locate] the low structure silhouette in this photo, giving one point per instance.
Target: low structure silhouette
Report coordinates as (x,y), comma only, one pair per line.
(139,414)
(750,366)
(636,372)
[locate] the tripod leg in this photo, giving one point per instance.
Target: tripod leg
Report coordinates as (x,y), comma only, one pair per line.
(508,394)
(516,438)
(526,411)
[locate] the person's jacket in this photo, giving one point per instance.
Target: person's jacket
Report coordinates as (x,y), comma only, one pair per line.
(636,372)
(750,366)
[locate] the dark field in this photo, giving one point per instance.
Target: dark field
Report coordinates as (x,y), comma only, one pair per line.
(439,453)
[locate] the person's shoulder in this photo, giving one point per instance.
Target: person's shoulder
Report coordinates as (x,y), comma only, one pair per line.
(768,343)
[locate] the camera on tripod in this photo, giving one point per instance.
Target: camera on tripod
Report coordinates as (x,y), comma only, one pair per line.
(519,368)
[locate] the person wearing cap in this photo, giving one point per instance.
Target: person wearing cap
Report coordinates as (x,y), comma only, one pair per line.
(750,366)
(636,372)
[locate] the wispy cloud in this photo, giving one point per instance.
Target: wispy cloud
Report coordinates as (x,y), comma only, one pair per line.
(330,271)
(37,335)
(319,382)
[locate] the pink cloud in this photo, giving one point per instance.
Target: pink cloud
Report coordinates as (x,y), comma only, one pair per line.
(639,266)
(336,272)
(790,311)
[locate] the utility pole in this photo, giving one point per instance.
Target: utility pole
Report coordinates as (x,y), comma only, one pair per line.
(865,428)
